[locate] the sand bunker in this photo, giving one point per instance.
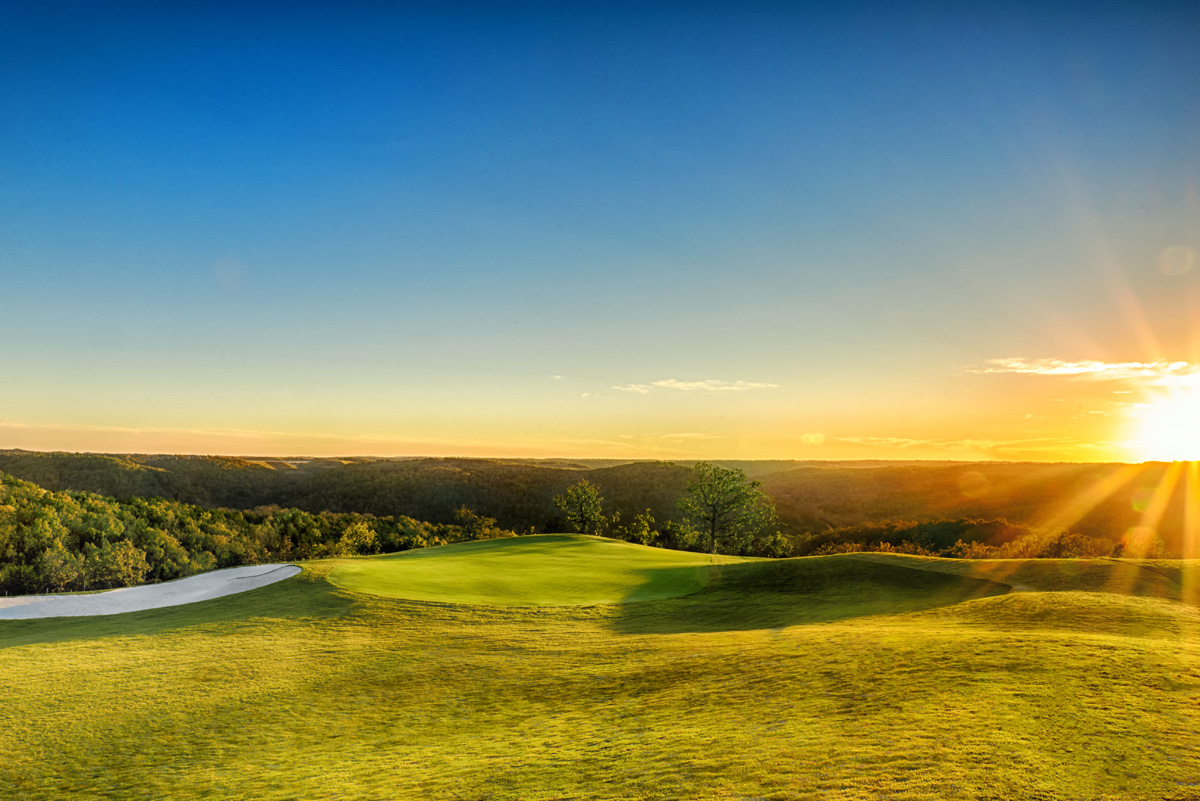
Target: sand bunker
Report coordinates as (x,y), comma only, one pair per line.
(188,590)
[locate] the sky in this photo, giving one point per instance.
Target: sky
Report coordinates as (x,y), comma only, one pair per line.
(626,230)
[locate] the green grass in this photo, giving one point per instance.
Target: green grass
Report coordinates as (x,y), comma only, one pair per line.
(548,570)
(842,677)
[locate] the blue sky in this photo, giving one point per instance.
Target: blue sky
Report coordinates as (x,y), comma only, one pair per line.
(401,228)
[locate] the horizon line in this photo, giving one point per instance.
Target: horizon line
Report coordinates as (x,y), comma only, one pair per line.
(407,457)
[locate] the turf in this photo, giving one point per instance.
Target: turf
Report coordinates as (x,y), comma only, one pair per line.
(841,677)
(547,570)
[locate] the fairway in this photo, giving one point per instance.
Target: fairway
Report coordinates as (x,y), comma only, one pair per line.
(544,570)
(856,676)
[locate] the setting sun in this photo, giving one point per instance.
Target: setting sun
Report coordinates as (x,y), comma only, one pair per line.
(1169,430)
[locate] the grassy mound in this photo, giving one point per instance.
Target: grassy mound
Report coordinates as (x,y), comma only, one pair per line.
(887,678)
(1173,579)
(817,589)
(548,570)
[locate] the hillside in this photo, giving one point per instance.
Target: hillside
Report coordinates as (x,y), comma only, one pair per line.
(216,481)
(1102,503)
(1097,500)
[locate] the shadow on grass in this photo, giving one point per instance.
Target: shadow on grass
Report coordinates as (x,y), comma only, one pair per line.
(790,592)
(303,597)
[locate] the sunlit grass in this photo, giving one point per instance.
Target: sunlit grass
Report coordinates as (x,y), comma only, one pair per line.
(854,676)
(546,570)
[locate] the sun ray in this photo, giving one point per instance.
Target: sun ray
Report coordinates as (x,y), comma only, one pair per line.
(1190,546)
(1089,498)
(1108,263)
(1191,513)
(1139,539)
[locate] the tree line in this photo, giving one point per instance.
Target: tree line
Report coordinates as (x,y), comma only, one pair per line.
(810,500)
(723,511)
(298,509)
(64,541)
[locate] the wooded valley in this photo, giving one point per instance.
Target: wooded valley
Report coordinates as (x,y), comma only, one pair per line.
(87,521)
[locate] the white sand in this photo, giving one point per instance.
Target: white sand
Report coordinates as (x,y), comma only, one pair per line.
(203,587)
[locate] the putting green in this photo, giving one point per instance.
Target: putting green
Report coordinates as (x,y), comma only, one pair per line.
(546,570)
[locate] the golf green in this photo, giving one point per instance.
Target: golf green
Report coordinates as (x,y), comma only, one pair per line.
(546,570)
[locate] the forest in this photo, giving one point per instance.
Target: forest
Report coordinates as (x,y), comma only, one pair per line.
(92,521)
(63,541)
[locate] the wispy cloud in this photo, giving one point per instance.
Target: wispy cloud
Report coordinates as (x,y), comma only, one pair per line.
(690,435)
(709,385)
(1159,372)
(896,442)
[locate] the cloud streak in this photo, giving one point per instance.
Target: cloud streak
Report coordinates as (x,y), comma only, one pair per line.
(1161,372)
(709,385)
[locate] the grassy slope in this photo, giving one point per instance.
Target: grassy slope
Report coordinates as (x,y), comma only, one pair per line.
(778,680)
(548,570)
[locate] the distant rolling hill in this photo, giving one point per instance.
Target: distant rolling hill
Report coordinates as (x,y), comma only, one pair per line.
(225,481)
(1100,500)
(1097,500)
